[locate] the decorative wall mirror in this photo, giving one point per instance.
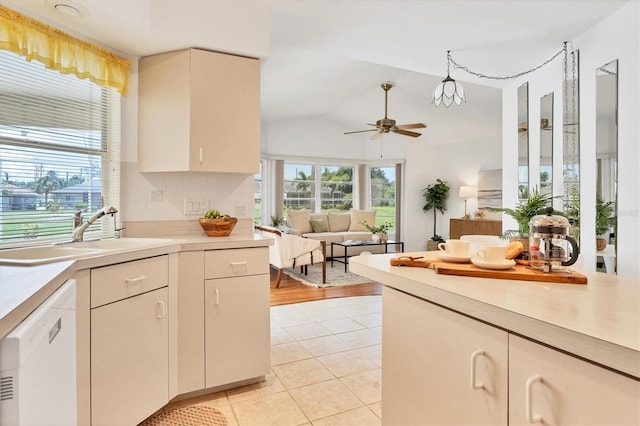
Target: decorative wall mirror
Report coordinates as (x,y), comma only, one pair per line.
(571,143)
(606,165)
(523,141)
(546,144)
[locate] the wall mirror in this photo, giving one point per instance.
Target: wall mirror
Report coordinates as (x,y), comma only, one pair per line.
(546,144)
(571,143)
(523,141)
(606,165)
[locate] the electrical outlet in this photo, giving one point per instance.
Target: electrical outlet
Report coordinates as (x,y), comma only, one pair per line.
(157,195)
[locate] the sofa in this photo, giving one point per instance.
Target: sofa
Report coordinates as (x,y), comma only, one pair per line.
(334,227)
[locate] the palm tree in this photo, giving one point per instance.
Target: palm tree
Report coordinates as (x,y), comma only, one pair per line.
(46,184)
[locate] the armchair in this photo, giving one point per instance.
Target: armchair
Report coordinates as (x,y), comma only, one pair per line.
(290,251)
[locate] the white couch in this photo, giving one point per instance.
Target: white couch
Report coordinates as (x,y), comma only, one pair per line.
(334,227)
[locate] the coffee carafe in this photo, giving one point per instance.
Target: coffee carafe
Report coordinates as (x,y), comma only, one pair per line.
(550,246)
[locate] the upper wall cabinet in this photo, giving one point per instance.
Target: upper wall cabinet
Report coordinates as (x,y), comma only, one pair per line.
(198,111)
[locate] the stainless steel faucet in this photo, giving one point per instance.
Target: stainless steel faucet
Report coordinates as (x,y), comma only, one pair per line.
(79,227)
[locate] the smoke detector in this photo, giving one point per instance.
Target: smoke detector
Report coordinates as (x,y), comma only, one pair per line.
(67,8)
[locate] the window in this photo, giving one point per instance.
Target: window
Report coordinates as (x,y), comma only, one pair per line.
(59,152)
(257,196)
(318,188)
(383,194)
(299,187)
(336,189)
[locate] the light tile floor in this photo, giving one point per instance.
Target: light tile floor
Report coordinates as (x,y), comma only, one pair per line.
(326,360)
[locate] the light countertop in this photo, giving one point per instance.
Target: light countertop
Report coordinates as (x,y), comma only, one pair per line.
(24,288)
(599,321)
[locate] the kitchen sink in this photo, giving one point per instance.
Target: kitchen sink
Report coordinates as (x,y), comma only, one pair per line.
(55,253)
(44,254)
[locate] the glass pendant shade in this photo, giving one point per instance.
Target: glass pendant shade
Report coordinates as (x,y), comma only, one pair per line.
(448,92)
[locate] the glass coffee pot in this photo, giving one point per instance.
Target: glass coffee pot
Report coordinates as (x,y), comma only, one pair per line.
(550,246)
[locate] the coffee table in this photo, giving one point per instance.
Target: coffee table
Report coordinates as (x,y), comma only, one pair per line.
(350,243)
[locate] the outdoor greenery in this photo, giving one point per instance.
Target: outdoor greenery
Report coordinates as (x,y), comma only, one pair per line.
(435,198)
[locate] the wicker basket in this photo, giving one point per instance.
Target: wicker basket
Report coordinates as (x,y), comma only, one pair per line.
(221,227)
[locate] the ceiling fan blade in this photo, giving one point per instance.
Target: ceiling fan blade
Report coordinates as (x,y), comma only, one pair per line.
(361,131)
(411,126)
(407,133)
(377,135)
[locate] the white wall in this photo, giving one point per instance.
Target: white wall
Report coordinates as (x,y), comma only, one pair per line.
(223,192)
(616,37)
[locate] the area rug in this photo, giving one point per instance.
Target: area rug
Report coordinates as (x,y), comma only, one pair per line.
(191,415)
(335,276)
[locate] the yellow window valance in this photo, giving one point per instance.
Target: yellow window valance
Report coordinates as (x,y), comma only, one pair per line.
(61,51)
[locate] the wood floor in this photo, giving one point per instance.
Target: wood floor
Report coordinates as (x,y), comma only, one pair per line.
(292,291)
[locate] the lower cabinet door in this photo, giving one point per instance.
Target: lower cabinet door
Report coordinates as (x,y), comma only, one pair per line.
(440,367)
(237,331)
(552,388)
(129,359)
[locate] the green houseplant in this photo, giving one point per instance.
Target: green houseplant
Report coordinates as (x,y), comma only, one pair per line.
(605,219)
(380,230)
(535,204)
(435,198)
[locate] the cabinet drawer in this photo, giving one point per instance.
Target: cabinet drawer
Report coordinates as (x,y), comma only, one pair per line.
(116,282)
(236,262)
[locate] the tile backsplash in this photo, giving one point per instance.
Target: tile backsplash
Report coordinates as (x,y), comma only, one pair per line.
(170,196)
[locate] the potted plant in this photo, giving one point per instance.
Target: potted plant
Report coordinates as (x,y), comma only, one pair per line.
(379,231)
(535,204)
(605,219)
(435,198)
(276,221)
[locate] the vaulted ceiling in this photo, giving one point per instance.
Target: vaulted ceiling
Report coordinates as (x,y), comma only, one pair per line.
(327,58)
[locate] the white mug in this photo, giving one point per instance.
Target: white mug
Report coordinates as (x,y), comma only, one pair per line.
(493,253)
(455,247)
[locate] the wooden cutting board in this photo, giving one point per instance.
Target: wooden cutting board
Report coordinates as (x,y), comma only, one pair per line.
(517,272)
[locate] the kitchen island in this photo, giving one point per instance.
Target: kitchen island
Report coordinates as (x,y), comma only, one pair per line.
(477,350)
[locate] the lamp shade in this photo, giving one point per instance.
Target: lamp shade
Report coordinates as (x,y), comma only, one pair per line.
(467,192)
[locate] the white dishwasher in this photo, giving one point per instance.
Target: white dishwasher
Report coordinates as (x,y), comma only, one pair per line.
(38,365)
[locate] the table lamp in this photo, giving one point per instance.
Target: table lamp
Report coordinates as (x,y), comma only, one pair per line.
(466,192)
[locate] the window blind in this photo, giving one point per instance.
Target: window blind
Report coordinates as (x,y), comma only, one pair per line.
(59,152)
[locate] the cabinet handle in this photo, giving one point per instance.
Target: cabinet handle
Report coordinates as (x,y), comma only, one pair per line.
(217,297)
(239,267)
(531,418)
(474,384)
(135,280)
(160,309)
(201,156)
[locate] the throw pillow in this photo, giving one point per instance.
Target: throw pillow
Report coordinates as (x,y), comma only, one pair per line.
(319,225)
(359,216)
(300,221)
(339,222)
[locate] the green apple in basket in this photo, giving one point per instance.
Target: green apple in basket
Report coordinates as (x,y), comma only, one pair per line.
(214,214)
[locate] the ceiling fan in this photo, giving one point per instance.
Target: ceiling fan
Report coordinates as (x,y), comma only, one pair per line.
(386,125)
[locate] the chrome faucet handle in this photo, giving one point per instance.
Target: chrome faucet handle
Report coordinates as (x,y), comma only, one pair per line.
(77,219)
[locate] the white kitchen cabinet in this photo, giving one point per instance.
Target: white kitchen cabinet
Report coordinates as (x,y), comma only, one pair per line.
(440,367)
(549,387)
(236,329)
(237,318)
(129,341)
(434,360)
(198,111)
(223,317)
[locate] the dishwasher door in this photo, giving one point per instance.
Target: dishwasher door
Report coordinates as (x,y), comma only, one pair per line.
(38,365)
